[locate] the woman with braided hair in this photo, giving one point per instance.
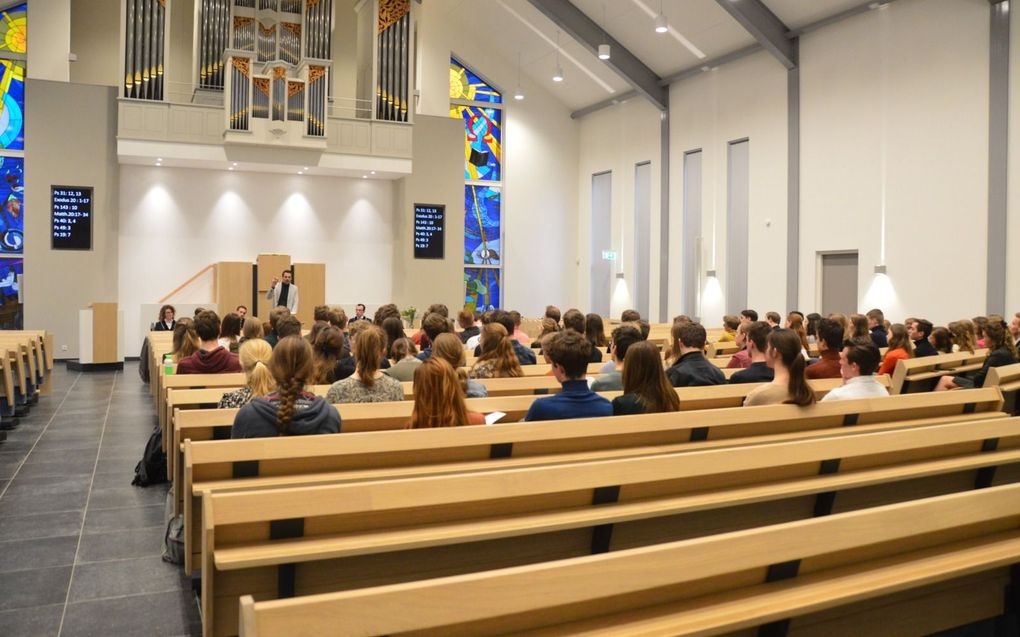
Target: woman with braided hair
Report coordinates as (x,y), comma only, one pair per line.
(290,410)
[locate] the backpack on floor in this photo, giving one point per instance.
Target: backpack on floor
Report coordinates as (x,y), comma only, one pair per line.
(173,537)
(151,469)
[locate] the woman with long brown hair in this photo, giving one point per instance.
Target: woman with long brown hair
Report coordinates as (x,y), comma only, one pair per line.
(185,340)
(327,350)
(449,348)
(795,323)
(368,384)
(789,384)
(1001,351)
(646,390)
(963,336)
(595,332)
(942,340)
(498,359)
(290,410)
(438,398)
(900,348)
(859,326)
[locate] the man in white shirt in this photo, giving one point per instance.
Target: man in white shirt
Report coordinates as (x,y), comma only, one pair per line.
(857,364)
(284,293)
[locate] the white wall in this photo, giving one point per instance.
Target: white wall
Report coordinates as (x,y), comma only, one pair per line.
(174,222)
(49,38)
(1013,183)
(909,81)
(615,139)
(743,99)
(540,146)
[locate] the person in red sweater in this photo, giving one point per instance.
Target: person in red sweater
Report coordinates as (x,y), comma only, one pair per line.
(830,344)
(900,349)
(211,358)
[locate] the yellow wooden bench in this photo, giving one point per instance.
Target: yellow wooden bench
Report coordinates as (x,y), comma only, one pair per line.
(921,374)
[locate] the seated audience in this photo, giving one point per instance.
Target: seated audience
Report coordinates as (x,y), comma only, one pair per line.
(288,325)
(900,349)
(646,390)
(859,326)
(830,343)
(595,332)
(381,314)
(497,359)
(345,368)
(438,399)
(405,360)
(941,340)
(518,335)
(466,322)
(843,323)
(795,323)
(691,367)
(1002,351)
(788,386)
(275,315)
(553,312)
(251,330)
(573,320)
(748,316)
(759,371)
(524,354)
(876,323)
(919,330)
(327,351)
(290,410)
(812,327)
(623,337)
(432,325)
(317,327)
(963,336)
(359,313)
(549,326)
(254,356)
(185,340)
(448,347)
(773,319)
(979,322)
(242,311)
(165,322)
(741,359)
(630,316)
(569,353)
(394,330)
(367,384)
(420,337)
(730,323)
(211,358)
(857,365)
(1014,328)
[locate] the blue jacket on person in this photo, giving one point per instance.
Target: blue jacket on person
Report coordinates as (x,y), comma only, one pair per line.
(575,400)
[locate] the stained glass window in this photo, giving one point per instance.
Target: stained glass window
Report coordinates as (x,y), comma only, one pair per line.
(12,105)
(13,50)
(482,141)
(482,288)
(465,85)
(14,29)
(12,200)
(481,225)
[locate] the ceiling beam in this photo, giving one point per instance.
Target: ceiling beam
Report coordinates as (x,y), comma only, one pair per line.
(598,106)
(766,28)
(588,34)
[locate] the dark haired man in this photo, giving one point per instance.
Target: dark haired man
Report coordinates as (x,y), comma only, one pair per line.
(211,358)
(569,352)
(553,312)
(284,293)
(433,325)
(830,342)
(857,364)
(774,320)
(288,325)
(876,323)
(359,314)
(630,316)
(623,337)
(919,330)
(748,316)
(573,320)
(757,341)
(242,311)
(275,315)
(692,368)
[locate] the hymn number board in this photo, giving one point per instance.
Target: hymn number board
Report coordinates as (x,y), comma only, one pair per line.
(429,230)
(71,214)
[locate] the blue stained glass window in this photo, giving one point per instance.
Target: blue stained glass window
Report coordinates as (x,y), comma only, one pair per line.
(12,105)
(12,201)
(481,225)
(465,85)
(483,151)
(482,288)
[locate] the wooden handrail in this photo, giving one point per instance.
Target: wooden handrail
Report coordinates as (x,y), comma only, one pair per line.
(188,282)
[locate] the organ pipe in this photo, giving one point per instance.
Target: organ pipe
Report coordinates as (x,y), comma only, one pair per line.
(392,82)
(144,41)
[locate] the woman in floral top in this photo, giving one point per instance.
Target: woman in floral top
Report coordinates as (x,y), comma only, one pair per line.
(254,355)
(498,359)
(368,384)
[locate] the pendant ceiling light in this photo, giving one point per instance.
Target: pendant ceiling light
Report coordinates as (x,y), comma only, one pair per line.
(604,51)
(519,93)
(661,26)
(558,73)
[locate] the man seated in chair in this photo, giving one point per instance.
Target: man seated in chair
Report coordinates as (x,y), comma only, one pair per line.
(569,351)
(857,364)
(211,358)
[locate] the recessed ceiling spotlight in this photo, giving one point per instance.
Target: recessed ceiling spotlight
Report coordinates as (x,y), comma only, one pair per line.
(231,168)
(234,164)
(305,168)
(372,173)
(159,159)
(364,176)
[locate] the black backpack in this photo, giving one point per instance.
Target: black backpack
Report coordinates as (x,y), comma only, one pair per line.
(151,469)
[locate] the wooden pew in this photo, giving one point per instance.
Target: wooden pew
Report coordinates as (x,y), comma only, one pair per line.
(1007,379)
(921,374)
(298,540)
(916,567)
(169,383)
(240,464)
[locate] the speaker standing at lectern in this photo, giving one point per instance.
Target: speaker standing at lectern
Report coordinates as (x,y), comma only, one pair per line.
(284,292)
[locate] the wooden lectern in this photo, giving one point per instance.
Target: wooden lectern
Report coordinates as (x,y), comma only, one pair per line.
(100,338)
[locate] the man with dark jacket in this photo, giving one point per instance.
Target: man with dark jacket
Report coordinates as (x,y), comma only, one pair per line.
(919,331)
(211,358)
(525,355)
(876,323)
(759,370)
(692,368)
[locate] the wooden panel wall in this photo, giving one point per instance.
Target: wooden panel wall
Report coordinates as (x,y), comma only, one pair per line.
(232,286)
(311,281)
(270,266)
(104,332)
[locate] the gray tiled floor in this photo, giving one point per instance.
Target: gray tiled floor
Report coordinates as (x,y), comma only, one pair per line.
(79,546)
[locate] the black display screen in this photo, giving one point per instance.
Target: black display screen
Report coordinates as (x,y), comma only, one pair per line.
(429,230)
(71,217)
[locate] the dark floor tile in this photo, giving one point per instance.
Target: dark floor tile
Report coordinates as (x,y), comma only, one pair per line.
(48,485)
(41,621)
(82,445)
(72,434)
(16,445)
(37,587)
(28,554)
(123,464)
(115,545)
(117,519)
(113,480)
(131,616)
(122,497)
(67,456)
(27,504)
(78,467)
(140,575)
(20,527)
(9,464)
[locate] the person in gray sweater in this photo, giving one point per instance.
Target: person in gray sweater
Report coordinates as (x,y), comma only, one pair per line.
(289,411)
